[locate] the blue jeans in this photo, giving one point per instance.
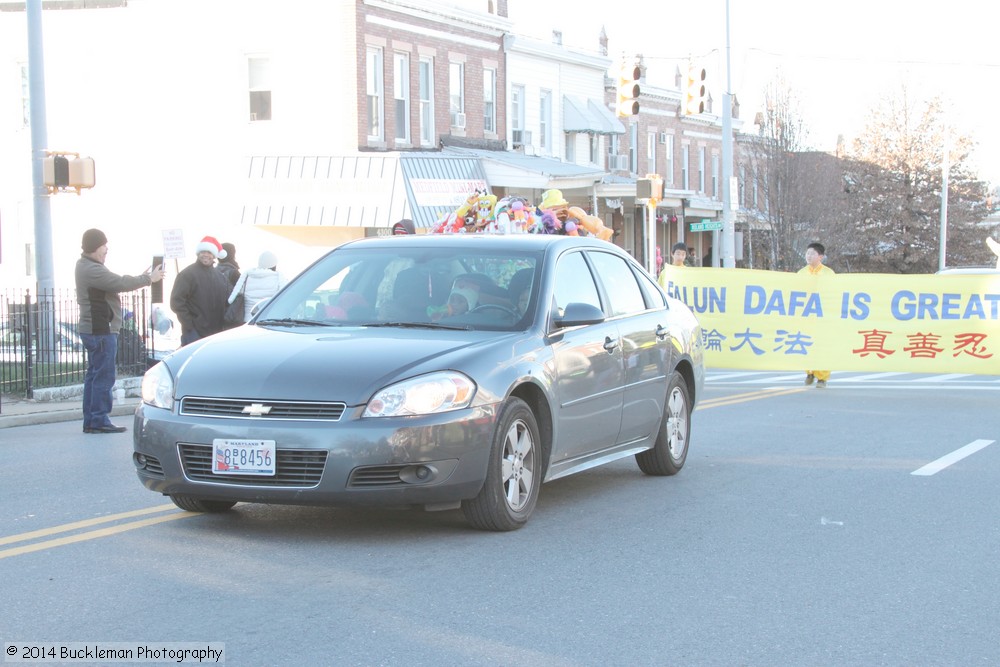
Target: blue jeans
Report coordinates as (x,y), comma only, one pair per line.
(100,379)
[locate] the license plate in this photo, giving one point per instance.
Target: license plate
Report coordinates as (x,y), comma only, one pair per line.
(243,457)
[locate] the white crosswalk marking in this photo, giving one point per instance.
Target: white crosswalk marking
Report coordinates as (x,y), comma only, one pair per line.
(848,378)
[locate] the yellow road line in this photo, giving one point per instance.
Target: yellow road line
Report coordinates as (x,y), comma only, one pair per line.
(45,532)
(94,534)
(744,398)
(121,528)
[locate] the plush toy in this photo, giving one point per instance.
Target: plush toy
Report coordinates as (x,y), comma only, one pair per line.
(553,201)
(450,223)
(518,216)
(484,211)
(591,223)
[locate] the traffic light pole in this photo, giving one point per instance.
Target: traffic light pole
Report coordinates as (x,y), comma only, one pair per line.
(728,253)
(44,271)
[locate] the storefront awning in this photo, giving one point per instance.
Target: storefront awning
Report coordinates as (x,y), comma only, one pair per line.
(510,169)
(438,184)
(580,115)
(357,190)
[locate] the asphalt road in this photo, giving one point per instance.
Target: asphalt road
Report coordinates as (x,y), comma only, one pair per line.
(797,534)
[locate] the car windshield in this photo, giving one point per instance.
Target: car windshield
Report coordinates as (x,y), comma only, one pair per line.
(420,286)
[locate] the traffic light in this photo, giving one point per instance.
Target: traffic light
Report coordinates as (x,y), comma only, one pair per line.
(628,90)
(55,171)
(695,93)
(61,173)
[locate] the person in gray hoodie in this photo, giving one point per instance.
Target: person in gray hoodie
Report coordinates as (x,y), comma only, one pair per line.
(97,291)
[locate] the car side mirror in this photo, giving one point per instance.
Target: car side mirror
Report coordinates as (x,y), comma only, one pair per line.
(257,306)
(578,314)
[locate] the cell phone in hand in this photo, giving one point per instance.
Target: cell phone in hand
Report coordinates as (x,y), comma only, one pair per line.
(156,289)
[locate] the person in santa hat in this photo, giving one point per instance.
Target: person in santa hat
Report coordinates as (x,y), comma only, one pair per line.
(200,293)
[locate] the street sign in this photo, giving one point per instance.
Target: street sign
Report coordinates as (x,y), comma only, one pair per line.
(706,226)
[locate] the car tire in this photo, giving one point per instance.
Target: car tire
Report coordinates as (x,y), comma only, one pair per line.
(670,450)
(514,473)
(192,504)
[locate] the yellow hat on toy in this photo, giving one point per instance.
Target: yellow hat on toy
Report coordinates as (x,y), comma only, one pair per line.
(552,199)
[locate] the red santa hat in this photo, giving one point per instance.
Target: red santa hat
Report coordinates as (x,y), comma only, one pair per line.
(210,244)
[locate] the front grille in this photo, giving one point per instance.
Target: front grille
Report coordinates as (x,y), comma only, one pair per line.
(244,408)
(376,476)
(295,467)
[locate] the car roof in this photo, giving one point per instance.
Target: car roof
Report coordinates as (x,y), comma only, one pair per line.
(493,241)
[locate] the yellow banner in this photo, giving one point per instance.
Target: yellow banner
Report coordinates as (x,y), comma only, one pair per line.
(766,320)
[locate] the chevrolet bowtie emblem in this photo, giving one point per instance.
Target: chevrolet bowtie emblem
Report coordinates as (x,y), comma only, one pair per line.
(256,409)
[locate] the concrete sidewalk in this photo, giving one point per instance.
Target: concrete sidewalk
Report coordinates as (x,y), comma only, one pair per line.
(65,404)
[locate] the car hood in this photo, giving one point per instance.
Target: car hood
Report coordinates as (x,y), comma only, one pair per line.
(347,364)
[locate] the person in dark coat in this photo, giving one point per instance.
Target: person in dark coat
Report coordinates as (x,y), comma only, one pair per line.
(228,265)
(200,294)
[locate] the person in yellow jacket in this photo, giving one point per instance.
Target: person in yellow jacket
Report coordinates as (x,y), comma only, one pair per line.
(815,254)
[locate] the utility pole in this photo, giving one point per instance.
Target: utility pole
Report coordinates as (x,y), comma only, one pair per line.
(728,253)
(44,271)
(945,167)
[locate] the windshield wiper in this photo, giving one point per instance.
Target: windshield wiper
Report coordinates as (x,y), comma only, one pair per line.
(419,325)
(290,322)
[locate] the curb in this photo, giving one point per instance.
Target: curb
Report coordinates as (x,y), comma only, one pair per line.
(60,404)
(60,414)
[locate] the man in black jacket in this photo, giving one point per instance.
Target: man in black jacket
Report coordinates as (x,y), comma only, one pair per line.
(97,291)
(200,294)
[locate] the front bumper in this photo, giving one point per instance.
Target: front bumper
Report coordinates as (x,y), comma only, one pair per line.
(427,460)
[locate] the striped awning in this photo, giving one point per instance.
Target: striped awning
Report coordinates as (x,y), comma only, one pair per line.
(357,190)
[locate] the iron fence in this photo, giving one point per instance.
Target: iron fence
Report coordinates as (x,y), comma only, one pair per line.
(40,344)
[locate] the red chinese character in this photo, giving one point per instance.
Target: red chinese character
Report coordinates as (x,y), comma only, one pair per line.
(923,345)
(874,344)
(971,341)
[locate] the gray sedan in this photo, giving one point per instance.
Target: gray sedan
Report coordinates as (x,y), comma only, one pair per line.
(434,371)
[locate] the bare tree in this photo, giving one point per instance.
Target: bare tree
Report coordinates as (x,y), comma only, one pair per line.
(770,157)
(893,182)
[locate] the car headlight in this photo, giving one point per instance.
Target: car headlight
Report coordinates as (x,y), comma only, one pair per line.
(424,395)
(158,387)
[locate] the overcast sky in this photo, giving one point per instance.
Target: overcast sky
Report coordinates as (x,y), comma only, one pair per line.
(839,58)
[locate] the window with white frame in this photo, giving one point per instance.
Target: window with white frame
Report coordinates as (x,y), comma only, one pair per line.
(426,92)
(668,150)
(456,93)
(490,101)
(686,167)
(571,146)
(25,96)
(595,148)
(545,120)
(374,87)
(259,77)
(517,114)
(701,169)
(651,152)
(401,95)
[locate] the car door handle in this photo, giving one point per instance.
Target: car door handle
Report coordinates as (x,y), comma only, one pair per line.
(661,332)
(610,344)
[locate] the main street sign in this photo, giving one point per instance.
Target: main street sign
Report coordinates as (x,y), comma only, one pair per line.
(706,225)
